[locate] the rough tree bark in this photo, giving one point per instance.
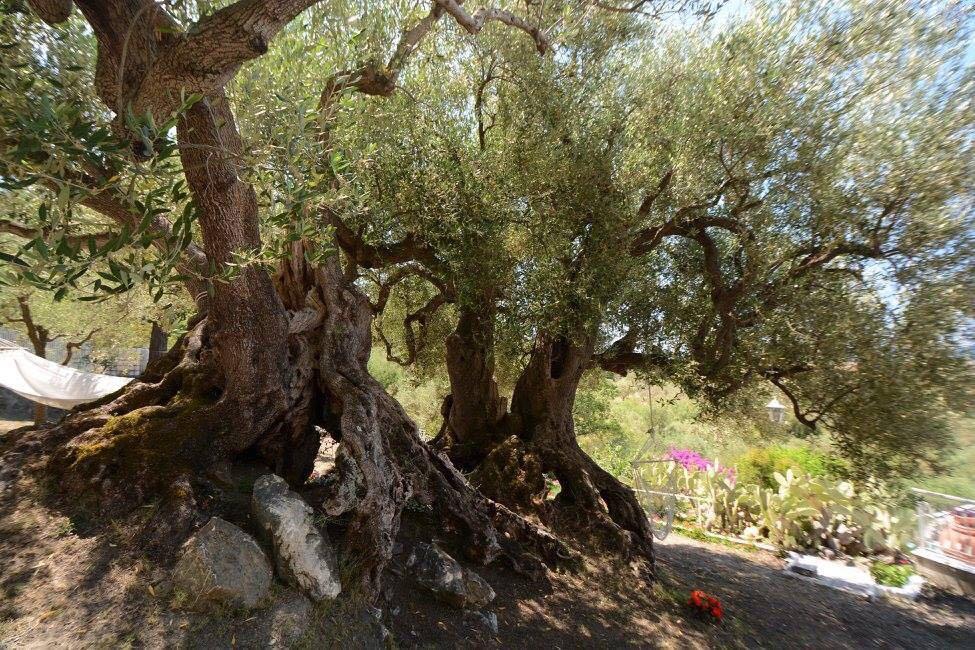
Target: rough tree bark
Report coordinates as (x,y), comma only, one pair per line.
(474,412)
(384,460)
(510,453)
(158,342)
(541,407)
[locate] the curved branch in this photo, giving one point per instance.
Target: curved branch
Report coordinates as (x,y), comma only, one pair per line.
(211,51)
(410,337)
(801,416)
(71,346)
(622,356)
(400,274)
(23,230)
(474,23)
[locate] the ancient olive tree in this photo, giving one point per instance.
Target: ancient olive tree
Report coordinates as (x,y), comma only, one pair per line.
(784,199)
(121,113)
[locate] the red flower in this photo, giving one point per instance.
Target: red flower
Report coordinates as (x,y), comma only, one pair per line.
(704,604)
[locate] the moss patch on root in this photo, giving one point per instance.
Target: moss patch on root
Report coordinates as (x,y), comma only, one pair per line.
(134,456)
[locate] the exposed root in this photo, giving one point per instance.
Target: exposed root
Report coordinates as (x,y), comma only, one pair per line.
(134,447)
(592,504)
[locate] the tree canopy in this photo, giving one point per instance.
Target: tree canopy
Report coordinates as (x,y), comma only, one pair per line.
(762,201)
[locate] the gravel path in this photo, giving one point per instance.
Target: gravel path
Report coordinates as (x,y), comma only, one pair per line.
(766,608)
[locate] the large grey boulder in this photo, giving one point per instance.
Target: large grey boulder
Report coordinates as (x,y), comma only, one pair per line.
(447,579)
(222,565)
(303,555)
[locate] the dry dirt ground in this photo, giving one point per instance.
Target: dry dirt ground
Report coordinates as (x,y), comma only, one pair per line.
(64,586)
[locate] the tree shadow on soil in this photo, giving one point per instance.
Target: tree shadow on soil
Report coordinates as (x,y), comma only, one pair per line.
(770,608)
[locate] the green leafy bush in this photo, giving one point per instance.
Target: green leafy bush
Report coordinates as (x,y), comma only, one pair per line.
(758,466)
(892,575)
(800,512)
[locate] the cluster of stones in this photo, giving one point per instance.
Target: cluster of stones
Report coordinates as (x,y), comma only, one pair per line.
(222,566)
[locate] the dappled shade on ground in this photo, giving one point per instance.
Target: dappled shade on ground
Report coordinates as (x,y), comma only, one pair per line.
(64,585)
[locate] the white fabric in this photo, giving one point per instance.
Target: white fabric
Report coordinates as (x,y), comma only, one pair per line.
(40,380)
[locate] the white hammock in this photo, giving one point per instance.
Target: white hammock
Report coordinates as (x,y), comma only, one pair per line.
(46,382)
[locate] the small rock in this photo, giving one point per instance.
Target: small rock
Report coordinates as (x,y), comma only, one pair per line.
(447,579)
(222,565)
(303,555)
(486,620)
(288,621)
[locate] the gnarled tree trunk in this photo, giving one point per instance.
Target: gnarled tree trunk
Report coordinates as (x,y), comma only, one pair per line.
(541,440)
(272,360)
(385,461)
(474,412)
(132,446)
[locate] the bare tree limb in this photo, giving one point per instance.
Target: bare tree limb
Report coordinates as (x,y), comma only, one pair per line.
(71,346)
(23,230)
(415,341)
(401,273)
(474,23)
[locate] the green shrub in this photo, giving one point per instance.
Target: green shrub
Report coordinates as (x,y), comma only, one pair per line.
(892,575)
(387,373)
(758,466)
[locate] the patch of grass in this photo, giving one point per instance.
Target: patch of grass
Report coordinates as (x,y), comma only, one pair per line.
(891,575)
(668,593)
(178,599)
(701,536)
(64,527)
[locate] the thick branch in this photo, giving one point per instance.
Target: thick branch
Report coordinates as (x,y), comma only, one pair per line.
(27,232)
(411,38)
(208,55)
(38,334)
(401,273)
(51,11)
(622,356)
(474,23)
(369,256)
(648,201)
(71,346)
(801,416)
